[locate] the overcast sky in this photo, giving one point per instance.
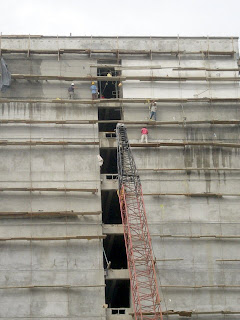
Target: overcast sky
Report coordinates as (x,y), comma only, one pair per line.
(121,17)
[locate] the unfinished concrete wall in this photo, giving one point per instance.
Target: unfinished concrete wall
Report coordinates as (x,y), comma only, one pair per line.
(192,271)
(52,264)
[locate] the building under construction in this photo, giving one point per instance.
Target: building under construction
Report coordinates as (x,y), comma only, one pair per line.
(62,250)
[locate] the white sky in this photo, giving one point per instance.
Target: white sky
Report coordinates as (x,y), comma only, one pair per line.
(121,17)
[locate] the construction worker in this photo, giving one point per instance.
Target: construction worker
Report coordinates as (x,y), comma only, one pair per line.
(71,91)
(94,91)
(144,135)
(100,160)
(153,110)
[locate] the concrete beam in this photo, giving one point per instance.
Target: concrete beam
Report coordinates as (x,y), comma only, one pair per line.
(115,229)
(119,274)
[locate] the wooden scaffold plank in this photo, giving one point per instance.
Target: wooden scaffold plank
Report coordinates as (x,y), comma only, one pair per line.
(48,143)
(32,189)
(120,101)
(140,122)
(85,237)
(45,214)
(186,143)
(30,77)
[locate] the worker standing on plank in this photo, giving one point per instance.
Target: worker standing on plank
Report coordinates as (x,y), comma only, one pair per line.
(144,135)
(153,109)
(71,91)
(94,91)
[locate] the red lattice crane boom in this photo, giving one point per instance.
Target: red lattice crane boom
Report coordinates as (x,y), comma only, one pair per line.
(141,266)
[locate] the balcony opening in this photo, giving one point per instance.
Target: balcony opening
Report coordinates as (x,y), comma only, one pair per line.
(109,89)
(117,294)
(115,251)
(110,207)
(109,156)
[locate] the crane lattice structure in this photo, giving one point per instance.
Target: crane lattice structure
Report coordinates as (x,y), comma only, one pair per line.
(146,300)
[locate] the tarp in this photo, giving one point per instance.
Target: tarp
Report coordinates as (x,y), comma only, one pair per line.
(5,81)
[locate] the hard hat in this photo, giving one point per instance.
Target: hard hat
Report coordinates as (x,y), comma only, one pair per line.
(93,82)
(72,84)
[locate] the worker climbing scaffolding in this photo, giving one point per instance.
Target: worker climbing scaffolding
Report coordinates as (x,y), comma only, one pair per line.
(146,301)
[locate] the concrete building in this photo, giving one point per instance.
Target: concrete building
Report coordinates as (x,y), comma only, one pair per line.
(62,251)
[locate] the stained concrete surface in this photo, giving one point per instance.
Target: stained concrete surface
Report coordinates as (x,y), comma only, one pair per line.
(80,261)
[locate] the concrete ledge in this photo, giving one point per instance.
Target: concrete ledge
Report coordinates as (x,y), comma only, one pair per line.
(113,229)
(109,181)
(120,274)
(115,314)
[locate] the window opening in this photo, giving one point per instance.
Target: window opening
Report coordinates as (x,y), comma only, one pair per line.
(109,156)
(111,213)
(117,293)
(115,250)
(108,114)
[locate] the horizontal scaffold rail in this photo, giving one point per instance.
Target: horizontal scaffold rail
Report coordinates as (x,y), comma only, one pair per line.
(48,143)
(199,236)
(140,122)
(159,67)
(105,102)
(118,52)
(45,214)
(60,286)
(186,143)
(189,194)
(189,169)
(19,121)
(66,286)
(86,237)
(199,286)
(190,313)
(51,189)
(121,78)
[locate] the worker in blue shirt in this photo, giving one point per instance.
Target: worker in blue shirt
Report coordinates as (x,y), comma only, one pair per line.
(94,91)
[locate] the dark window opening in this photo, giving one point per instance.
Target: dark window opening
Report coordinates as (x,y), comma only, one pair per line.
(109,89)
(111,176)
(121,311)
(109,156)
(115,251)
(115,311)
(118,311)
(117,293)
(110,135)
(110,207)
(108,114)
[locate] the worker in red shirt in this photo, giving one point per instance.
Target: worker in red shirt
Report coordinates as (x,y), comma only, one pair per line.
(144,135)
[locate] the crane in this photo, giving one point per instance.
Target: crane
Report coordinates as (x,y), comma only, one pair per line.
(146,300)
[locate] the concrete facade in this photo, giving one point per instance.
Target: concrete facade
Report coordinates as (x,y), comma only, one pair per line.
(195,238)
